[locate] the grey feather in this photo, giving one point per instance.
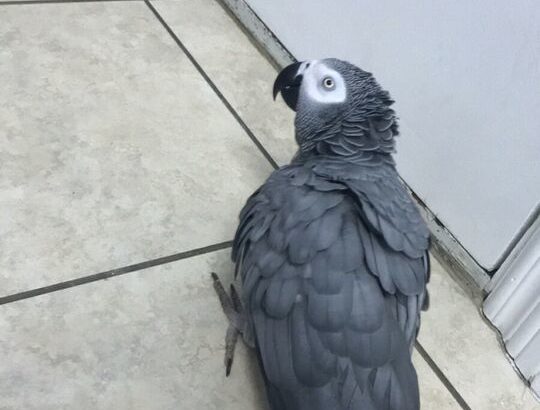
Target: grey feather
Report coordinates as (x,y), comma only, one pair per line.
(330,312)
(335,342)
(304,359)
(328,229)
(280,297)
(367,304)
(325,278)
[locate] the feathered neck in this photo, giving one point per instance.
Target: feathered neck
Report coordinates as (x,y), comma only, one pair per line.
(359,158)
(370,125)
(354,135)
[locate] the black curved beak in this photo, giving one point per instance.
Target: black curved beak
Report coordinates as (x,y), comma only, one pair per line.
(288,83)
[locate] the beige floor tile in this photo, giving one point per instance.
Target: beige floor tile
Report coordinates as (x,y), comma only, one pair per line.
(148,340)
(242,74)
(467,351)
(152,339)
(114,149)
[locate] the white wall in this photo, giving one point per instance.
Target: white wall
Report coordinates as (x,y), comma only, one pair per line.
(466,78)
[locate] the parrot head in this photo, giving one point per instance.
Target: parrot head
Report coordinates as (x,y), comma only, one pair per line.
(332,97)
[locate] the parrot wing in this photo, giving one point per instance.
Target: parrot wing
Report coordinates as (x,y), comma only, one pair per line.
(334,273)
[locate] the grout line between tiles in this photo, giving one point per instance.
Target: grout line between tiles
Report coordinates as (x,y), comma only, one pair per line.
(216,90)
(440,374)
(26,2)
(114,272)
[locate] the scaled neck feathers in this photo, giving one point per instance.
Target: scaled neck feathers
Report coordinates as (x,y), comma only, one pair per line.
(364,159)
(353,136)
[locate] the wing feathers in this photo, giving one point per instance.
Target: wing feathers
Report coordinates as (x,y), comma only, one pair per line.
(334,272)
(330,312)
(304,358)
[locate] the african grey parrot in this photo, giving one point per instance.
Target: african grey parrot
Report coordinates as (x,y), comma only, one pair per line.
(333,253)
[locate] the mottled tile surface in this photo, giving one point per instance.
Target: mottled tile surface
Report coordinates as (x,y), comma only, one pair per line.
(242,74)
(148,340)
(467,350)
(114,149)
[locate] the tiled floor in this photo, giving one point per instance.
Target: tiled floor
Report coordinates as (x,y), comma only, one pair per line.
(115,150)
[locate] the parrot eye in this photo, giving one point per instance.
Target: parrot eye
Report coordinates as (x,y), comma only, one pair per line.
(328,83)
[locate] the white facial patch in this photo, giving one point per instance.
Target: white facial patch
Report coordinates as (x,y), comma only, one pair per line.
(321,84)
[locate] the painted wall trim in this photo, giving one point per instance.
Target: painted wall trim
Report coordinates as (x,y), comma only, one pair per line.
(513,306)
(467,272)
